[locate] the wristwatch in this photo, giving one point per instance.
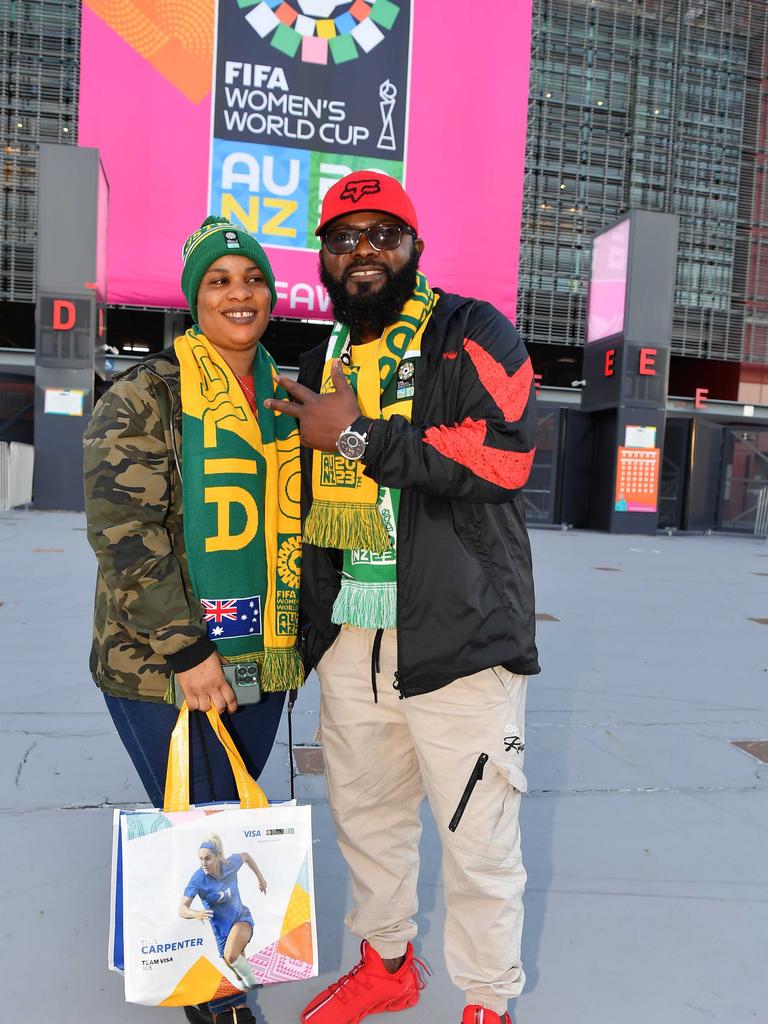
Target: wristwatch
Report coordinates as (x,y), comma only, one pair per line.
(353,440)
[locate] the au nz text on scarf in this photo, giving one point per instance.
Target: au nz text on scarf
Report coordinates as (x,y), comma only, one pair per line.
(344,512)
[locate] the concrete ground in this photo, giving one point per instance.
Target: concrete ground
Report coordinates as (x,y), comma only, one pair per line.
(645,830)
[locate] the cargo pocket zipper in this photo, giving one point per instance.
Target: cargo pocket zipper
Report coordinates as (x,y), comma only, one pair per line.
(474,778)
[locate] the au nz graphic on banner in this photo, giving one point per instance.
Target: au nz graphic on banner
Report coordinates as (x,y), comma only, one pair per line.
(305,91)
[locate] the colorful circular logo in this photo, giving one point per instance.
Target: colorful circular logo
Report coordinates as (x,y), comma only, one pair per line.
(321,31)
(289,562)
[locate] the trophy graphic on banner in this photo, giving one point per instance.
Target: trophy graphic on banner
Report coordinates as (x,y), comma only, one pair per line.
(387,100)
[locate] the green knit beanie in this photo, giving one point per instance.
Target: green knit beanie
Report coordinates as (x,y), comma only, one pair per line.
(217,237)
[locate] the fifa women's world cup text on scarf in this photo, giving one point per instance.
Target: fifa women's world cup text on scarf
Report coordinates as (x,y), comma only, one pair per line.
(241,511)
(345,512)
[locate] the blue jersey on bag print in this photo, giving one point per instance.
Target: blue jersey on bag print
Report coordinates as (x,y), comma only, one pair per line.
(222,897)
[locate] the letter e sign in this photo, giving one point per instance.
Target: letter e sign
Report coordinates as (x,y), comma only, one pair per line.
(647,367)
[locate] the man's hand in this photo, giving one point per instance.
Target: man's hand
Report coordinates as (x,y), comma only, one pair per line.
(205,685)
(321,417)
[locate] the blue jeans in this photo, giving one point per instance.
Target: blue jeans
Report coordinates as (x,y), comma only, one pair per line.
(145,729)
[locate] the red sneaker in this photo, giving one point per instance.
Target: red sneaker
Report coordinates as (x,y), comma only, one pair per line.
(474,1014)
(368,988)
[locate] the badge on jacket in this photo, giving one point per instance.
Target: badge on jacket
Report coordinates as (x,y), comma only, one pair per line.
(405,372)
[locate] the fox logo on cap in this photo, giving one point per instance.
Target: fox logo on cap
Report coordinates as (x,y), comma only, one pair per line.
(349,194)
(355,190)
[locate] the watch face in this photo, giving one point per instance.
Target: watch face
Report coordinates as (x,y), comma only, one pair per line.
(351,444)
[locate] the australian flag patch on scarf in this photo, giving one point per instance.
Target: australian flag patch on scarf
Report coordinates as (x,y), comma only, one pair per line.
(231,617)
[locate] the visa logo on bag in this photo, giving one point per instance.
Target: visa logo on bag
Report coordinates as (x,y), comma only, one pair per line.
(256,833)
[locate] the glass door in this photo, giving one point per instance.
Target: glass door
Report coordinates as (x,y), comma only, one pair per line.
(674,468)
(540,492)
(745,477)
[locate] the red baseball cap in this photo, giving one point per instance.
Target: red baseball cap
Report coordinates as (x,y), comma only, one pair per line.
(367,190)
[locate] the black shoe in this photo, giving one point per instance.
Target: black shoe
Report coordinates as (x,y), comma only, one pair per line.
(198,1014)
(235,1015)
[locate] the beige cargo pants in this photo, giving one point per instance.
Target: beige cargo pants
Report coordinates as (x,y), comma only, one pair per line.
(462,745)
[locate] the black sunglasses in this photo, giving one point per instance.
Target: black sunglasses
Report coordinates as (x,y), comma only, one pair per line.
(381,237)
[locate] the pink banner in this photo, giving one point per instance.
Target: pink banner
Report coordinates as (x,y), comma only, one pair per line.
(145,104)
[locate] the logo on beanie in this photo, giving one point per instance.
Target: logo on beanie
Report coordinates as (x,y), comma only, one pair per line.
(355,190)
(231,239)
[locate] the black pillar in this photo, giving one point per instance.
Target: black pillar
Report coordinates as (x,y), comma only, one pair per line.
(70,317)
(626,366)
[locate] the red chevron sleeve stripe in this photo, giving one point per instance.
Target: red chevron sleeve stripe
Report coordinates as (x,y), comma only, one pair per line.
(465,445)
(509,393)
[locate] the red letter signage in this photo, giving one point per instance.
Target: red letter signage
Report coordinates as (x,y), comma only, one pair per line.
(610,355)
(700,400)
(60,323)
(647,366)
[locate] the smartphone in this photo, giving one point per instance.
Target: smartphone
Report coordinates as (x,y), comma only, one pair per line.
(242,677)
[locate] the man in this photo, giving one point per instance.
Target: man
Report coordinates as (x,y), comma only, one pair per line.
(418,420)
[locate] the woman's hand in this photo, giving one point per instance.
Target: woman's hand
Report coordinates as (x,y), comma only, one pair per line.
(204,915)
(263,884)
(205,686)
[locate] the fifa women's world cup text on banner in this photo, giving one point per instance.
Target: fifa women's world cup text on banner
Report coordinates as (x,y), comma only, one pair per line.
(299,102)
(215,903)
(306,91)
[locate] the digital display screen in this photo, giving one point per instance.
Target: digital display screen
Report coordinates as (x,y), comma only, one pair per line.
(63,402)
(640,437)
(608,283)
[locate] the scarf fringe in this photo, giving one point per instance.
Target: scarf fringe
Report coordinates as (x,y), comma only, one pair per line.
(366,605)
(346,526)
(281,669)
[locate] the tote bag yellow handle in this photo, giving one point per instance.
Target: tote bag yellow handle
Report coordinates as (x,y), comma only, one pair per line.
(177,776)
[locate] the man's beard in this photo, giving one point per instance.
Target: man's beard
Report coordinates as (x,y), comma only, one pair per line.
(371,311)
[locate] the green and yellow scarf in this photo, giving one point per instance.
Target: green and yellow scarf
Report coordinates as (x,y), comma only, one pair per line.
(344,512)
(241,511)
(367,596)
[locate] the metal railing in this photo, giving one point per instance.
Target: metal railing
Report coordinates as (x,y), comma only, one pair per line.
(761,514)
(16,469)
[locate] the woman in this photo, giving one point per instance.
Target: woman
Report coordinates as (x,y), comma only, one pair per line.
(191,576)
(215,882)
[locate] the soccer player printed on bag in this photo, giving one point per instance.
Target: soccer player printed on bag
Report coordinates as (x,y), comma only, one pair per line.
(215,882)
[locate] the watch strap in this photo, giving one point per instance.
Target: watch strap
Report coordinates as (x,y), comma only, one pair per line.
(361,425)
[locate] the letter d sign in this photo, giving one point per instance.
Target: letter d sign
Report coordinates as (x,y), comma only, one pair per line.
(60,321)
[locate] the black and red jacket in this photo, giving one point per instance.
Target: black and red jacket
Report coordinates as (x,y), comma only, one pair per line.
(464,581)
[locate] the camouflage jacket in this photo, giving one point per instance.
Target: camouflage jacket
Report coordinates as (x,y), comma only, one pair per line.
(147,621)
